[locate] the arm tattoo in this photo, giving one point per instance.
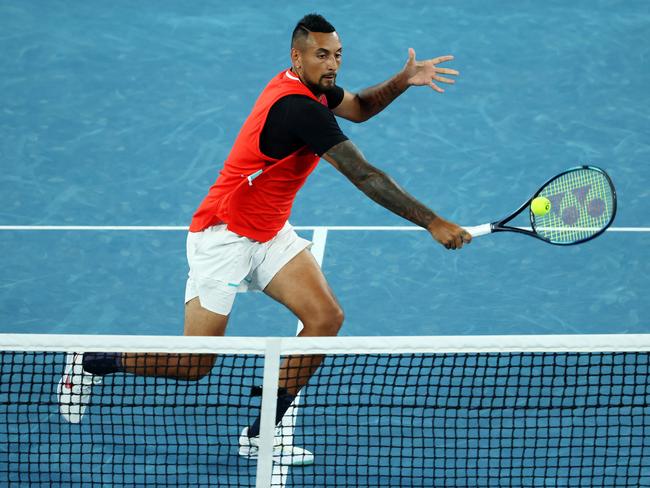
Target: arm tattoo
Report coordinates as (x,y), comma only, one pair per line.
(376,98)
(378,185)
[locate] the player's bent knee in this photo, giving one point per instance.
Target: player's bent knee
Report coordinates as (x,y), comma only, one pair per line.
(326,323)
(337,321)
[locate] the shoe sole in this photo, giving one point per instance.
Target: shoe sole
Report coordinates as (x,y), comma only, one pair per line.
(278,459)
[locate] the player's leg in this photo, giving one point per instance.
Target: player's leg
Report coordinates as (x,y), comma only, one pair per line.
(83,371)
(289,273)
(199,321)
(208,300)
(214,257)
(301,286)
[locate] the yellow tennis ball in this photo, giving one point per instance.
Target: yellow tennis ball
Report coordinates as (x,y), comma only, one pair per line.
(540,206)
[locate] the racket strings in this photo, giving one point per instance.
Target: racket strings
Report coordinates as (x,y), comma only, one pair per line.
(582,205)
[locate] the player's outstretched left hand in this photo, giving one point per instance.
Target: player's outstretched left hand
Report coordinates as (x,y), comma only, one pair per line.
(427,72)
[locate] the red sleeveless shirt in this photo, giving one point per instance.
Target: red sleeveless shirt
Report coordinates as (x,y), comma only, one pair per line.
(254,193)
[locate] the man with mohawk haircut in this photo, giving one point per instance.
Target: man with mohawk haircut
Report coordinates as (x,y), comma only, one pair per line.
(240,237)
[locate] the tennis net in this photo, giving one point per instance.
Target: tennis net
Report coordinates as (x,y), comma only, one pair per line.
(478,411)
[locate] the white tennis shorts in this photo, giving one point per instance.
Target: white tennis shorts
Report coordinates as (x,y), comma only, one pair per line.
(223,263)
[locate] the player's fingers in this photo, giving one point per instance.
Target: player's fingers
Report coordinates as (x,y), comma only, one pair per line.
(411,54)
(436,87)
(442,59)
(466,236)
(458,240)
(447,71)
(444,80)
(451,242)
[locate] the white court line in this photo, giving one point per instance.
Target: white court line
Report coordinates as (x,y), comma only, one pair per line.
(164,228)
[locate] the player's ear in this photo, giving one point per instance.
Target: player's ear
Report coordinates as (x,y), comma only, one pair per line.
(296,60)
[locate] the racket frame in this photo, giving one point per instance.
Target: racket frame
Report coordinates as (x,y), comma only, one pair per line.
(500,225)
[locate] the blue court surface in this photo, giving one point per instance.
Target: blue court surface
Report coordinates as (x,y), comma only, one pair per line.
(121,114)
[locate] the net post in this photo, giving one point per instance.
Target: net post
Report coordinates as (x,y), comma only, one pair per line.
(267,421)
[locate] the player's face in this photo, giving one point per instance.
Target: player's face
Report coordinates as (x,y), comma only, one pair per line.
(318,60)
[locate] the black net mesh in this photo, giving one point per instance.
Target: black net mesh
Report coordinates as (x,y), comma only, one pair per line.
(370,420)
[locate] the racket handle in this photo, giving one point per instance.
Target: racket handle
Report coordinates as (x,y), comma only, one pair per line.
(479,230)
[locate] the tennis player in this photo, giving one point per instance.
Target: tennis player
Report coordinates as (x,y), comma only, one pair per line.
(240,237)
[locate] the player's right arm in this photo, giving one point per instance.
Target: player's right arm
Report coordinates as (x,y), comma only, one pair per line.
(382,189)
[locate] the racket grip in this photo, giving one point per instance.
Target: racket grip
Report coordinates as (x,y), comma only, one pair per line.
(479,230)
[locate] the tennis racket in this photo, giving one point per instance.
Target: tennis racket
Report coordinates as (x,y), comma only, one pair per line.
(583,206)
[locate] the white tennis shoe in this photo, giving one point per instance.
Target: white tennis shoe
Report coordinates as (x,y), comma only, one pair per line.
(75,387)
(283,452)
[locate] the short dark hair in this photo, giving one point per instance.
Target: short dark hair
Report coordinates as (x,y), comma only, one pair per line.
(310,23)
